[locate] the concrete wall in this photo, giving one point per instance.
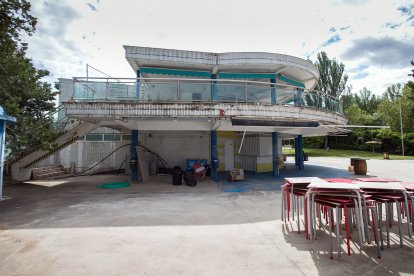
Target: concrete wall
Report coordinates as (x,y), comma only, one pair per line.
(222,137)
(255,154)
(176,147)
(66,92)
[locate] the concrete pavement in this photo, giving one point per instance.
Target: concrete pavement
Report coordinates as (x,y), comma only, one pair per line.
(70,227)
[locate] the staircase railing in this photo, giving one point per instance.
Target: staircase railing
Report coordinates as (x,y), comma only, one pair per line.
(63,126)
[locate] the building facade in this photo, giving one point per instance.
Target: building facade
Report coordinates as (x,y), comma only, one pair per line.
(231,109)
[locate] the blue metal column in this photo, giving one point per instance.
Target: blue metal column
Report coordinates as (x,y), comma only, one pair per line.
(137,92)
(300,143)
(213,87)
(134,156)
(273,90)
(275,154)
(2,145)
(296,152)
(133,165)
(214,155)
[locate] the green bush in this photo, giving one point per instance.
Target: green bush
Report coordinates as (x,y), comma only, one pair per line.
(314,142)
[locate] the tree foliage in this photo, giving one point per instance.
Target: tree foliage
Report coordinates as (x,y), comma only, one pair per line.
(23,94)
(389,110)
(368,108)
(412,70)
(367,101)
(332,80)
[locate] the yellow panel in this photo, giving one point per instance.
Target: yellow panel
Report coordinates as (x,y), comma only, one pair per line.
(227,134)
(268,167)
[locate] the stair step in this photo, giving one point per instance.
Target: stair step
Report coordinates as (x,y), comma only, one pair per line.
(47,172)
(46,169)
(48,175)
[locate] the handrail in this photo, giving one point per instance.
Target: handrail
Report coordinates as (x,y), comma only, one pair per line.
(134,80)
(177,90)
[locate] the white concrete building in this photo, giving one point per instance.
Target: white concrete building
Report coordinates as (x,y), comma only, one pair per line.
(193,105)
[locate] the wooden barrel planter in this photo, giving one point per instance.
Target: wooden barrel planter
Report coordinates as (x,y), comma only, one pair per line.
(360,165)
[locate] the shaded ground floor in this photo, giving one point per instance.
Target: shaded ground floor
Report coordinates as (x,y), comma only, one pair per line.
(71,227)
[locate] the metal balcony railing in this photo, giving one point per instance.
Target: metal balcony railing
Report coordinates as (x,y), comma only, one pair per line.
(199,90)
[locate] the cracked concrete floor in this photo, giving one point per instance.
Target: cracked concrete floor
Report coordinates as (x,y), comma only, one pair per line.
(69,227)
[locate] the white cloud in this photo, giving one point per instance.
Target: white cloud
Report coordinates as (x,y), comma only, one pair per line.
(72,33)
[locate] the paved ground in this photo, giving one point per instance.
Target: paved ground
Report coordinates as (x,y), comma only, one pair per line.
(70,227)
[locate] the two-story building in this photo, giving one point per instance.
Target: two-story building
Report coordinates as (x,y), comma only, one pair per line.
(232,107)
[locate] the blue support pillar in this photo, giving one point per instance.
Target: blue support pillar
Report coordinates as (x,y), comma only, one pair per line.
(300,143)
(214,155)
(134,156)
(275,154)
(137,92)
(273,90)
(296,152)
(213,87)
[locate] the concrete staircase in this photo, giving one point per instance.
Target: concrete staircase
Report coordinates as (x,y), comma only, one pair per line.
(47,172)
(22,166)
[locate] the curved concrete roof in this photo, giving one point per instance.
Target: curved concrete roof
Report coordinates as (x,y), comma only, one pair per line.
(244,62)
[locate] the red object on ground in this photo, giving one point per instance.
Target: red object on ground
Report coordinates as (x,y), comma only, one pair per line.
(376,179)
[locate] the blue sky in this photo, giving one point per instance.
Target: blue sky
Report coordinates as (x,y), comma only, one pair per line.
(374,39)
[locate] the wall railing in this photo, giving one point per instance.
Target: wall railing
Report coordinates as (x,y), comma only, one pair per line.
(200,90)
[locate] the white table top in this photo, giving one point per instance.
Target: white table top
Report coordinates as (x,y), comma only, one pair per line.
(381,185)
(303,180)
(334,185)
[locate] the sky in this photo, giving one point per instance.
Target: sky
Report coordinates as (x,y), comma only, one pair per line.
(374,39)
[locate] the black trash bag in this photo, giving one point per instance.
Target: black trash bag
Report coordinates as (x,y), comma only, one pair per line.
(162,170)
(177,176)
(190,179)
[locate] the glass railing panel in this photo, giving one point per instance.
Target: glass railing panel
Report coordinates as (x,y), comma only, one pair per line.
(258,94)
(199,91)
(234,93)
(311,100)
(121,91)
(195,92)
(89,90)
(284,96)
(162,91)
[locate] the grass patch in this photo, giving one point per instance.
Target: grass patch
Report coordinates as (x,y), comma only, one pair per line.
(345,153)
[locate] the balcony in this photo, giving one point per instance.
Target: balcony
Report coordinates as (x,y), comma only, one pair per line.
(186,90)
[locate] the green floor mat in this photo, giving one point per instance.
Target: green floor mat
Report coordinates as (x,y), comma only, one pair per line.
(113,185)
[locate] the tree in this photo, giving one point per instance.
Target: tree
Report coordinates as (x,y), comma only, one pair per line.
(392,91)
(332,80)
(367,101)
(389,110)
(22,93)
